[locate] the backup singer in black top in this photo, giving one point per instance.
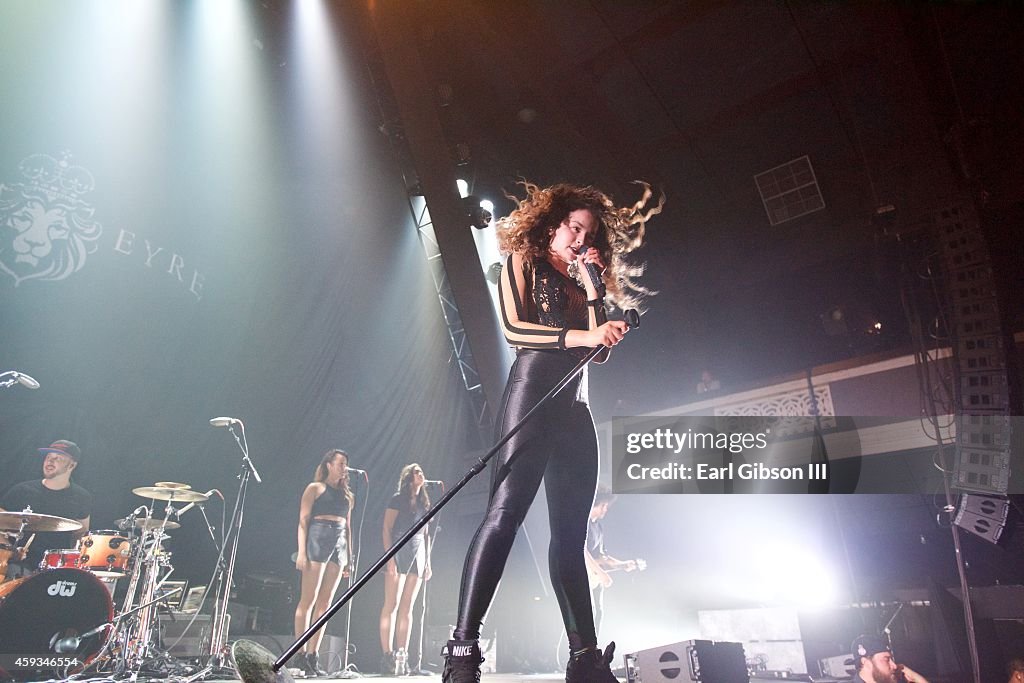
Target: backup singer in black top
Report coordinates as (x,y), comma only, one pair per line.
(552,313)
(406,571)
(325,521)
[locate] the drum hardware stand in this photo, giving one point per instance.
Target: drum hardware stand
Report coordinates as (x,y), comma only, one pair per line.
(256,665)
(142,648)
(136,636)
(113,626)
(218,656)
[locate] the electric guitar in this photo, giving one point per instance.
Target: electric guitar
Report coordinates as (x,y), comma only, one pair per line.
(637,565)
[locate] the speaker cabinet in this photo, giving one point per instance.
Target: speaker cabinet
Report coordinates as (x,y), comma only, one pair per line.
(691,660)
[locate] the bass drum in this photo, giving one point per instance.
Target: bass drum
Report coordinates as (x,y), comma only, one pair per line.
(37,611)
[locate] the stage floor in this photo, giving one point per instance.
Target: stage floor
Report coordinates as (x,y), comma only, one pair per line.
(486,678)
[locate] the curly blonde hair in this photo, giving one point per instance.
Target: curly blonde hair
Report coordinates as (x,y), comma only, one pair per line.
(527,231)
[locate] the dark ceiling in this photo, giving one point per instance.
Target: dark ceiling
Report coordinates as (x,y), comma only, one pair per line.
(910,106)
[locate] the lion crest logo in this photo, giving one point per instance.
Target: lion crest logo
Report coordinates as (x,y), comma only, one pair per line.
(46,227)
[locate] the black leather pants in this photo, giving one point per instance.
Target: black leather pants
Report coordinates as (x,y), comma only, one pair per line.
(558,444)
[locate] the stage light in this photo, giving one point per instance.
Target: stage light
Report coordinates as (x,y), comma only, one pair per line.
(795,577)
(463,187)
(479,217)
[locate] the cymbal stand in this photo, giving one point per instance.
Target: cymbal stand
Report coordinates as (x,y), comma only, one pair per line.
(142,647)
(219,657)
(137,564)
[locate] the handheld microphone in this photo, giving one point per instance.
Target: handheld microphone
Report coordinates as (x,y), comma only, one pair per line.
(224,421)
(357,470)
(595,276)
(433,482)
(632,317)
(25,381)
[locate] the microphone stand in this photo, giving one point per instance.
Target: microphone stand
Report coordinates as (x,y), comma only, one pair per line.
(218,661)
(418,670)
(255,663)
(345,671)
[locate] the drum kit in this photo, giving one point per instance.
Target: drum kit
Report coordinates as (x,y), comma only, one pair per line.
(66,612)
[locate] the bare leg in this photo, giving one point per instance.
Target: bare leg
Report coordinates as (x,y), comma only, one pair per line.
(311,577)
(324,596)
(409,592)
(388,610)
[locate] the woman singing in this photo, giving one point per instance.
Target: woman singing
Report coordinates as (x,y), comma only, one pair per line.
(552,313)
(325,517)
(405,571)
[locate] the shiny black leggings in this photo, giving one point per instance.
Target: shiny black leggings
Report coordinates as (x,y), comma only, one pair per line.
(558,444)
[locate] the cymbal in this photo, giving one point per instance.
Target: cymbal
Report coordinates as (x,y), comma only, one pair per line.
(35,521)
(149,523)
(171,485)
(177,495)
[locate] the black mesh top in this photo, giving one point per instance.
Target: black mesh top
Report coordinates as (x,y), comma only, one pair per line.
(537,303)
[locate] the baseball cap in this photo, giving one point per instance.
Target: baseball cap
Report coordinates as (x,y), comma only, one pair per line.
(64,447)
(866,646)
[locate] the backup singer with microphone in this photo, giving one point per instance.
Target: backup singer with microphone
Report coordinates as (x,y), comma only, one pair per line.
(405,572)
(553,313)
(325,521)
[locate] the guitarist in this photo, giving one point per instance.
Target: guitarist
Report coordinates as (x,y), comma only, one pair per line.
(599,562)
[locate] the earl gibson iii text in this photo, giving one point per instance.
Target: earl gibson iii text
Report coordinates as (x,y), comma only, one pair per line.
(713,455)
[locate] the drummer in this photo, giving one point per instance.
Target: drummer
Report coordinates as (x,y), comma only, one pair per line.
(54,494)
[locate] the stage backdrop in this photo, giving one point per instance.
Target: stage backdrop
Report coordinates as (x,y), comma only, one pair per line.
(199,217)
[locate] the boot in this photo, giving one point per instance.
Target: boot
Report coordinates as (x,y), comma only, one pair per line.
(312,667)
(591,666)
(298,661)
(462,661)
(387,664)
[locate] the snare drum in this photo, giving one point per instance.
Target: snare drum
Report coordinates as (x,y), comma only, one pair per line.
(104,552)
(59,559)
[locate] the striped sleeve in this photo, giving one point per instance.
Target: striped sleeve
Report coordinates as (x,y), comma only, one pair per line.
(512,297)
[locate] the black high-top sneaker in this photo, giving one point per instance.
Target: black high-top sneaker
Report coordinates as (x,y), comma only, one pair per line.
(591,666)
(462,661)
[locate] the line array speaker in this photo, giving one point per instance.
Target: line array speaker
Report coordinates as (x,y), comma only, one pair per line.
(983,427)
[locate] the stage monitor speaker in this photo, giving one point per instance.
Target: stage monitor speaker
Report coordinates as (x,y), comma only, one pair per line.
(706,661)
(983,516)
(180,639)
